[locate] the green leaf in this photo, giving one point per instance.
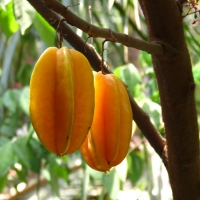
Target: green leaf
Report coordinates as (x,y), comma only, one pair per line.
(34,154)
(154,111)
(6,155)
(197,97)
(3,182)
(3,4)
(24,14)
(111,183)
(52,178)
(46,174)
(50,174)
(40,151)
(44,29)
(124,3)
(3,141)
(196,72)
(60,169)
(130,76)
(7,130)
(85,182)
(145,59)
(110,4)
(7,20)
(96,175)
(135,167)
(1,100)
(25,70)
(10,99)
(22,174)
(122,170)
(22,152)
(24,100)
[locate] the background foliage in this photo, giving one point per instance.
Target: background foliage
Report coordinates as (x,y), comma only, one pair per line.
(24,35)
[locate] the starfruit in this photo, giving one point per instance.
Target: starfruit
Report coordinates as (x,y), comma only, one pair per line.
(108,141)
(62,99)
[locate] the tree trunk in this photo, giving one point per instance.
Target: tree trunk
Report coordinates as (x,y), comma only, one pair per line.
(176,87)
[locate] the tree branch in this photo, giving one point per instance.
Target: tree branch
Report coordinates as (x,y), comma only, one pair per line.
(94,31)
(149,131)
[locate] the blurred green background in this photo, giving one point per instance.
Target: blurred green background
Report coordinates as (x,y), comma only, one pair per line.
(27,169)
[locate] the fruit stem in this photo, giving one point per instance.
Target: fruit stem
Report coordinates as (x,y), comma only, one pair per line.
(102,60)
(60,33)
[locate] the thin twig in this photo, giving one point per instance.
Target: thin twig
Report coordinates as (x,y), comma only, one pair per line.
(60,32)
(102,59)
(94,31)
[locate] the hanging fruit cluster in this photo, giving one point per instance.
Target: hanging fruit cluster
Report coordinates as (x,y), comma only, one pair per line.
(71,109)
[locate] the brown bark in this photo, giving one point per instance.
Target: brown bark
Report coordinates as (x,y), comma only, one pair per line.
(176,87)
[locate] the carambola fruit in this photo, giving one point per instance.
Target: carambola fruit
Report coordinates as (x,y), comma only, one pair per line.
(62,99)
(108,141)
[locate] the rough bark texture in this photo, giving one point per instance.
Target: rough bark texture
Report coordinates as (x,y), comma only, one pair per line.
(176,87)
